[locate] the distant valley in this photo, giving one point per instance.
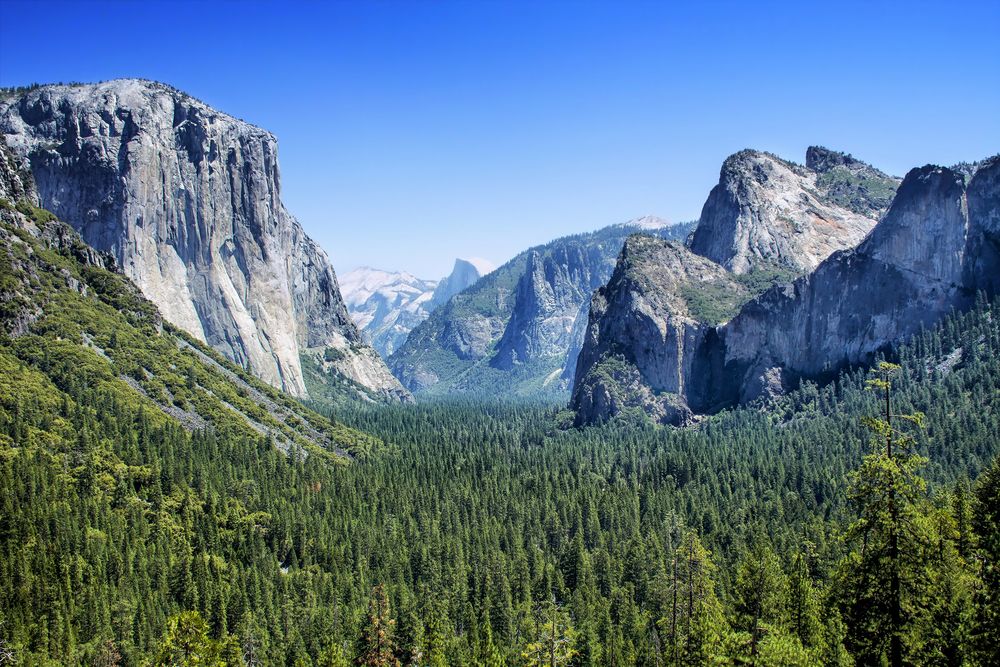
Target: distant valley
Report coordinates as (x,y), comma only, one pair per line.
(387,305)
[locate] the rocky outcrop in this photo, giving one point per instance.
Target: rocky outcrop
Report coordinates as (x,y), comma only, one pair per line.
(768,212)
(519,329)
(188,202)
(934,248)
(850,183)
(646,331)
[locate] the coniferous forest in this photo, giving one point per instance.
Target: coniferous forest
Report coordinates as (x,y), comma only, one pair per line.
(813,532)
(448,383)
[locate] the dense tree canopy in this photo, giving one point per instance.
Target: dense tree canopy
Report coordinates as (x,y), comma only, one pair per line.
(491,534)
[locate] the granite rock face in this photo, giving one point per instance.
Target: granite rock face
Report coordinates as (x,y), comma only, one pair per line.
(188,202)
(645,334)
(766,211)
(518,330)
(935,247)
(547,304)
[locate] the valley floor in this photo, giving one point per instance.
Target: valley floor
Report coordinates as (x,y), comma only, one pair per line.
(493,534)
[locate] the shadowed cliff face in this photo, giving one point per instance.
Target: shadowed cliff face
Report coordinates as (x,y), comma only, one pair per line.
(645,331)
(935,247)
(187,200)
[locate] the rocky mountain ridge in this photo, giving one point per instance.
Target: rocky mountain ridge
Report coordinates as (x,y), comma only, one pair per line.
(387,305)
(766,211)
(518,330)
(188,202)
(935,247)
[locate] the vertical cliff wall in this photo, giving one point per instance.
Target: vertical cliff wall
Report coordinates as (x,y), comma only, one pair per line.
(188,201)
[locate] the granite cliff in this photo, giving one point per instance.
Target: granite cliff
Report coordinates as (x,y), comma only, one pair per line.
(766,211)
(933,249)
(518,330)
(188,202)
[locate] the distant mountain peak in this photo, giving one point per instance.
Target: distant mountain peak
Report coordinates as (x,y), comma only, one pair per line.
(648,222)
(482,266)
(387,305)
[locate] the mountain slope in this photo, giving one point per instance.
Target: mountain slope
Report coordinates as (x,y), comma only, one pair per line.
(518,329)
(386,305)
(938,244)
(187,201)
(71,328)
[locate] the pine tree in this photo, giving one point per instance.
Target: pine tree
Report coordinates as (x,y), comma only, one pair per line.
(376,644)
(491,655)
(553,643)
(186,643)
(692,629)
(885,490)
(986,522)
(760,595)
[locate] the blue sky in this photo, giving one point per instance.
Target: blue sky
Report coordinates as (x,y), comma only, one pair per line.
(414,132)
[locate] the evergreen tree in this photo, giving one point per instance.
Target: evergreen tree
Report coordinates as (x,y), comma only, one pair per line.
(693,627)
(760,595)
(884,573)
(986,521)
(186,643)
(553,643)
(376,644)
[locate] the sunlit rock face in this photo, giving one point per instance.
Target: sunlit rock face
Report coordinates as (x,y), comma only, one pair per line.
(188,201)
(936,245)
(767,211)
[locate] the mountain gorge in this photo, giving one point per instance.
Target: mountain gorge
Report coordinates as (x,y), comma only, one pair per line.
(517,331)
(187,201)
(932,250)
(387,305)
(205,461)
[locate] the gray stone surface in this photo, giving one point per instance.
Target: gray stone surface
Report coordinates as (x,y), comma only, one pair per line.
(520,328)
(936,246)
(643,339)
(768,211)
(188,201)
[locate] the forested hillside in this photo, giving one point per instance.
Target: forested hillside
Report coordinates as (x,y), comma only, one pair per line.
(488,534)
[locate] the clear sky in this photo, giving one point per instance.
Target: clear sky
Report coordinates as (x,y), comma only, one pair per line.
(414,132)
